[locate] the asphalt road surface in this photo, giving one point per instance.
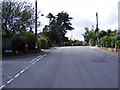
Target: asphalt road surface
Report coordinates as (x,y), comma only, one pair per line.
(64,67)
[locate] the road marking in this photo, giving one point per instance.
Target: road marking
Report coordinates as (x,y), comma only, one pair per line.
(17,75)
(32,62)
(38,59)
(22,71)
(2,86)
(27,67)
(10,80)
(35,59)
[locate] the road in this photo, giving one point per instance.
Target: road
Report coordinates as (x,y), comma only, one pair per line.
(64,67)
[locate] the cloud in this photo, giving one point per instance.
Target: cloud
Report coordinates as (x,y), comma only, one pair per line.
(113,18)
(83,22)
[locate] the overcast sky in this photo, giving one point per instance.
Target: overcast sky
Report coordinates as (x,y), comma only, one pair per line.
(83,13)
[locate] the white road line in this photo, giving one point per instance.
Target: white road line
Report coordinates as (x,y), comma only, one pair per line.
(35,58)
(2,86)
(22,71)
(38,59)
(17,75)
(10,80)
(33,62)
(27,68)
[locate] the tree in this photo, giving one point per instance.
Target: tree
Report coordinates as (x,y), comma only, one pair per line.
(16,17)
(101,33)
(31,30)
(86,35)
(51,17)
(90,36)
(46,28)
(20,39)
(109,32)
(58,27)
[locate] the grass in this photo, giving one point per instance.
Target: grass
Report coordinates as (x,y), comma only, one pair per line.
(107,49)
(103,48)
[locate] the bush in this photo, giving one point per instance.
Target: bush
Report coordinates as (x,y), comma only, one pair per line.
(20,39)
(92,42)
(118,44)
(43,43)
(28,37)
(17,44)
(78,43)
(75,44)
(68,43)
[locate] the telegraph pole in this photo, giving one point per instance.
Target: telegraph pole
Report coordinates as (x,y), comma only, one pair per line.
(97,29)
(119,19)
(36,46)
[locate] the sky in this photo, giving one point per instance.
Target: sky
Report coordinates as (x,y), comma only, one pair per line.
(83,13)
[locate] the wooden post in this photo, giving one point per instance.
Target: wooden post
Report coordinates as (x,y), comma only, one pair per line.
(116,47)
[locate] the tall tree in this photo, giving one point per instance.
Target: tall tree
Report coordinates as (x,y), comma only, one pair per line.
(58,26)
(16,17)
(51,17)
(63,22)
(90,36)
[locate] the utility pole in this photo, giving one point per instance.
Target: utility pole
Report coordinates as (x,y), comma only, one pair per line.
(97,29)
(36,46)
(119,19)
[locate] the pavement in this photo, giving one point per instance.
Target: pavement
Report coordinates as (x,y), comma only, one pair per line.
(10,66)
(63,67)
(43,51)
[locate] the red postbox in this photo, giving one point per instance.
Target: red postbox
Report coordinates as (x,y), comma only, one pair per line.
(26,47)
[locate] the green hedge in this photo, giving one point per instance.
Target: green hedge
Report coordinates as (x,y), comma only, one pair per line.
(43,43)
(118,44)
(20,39)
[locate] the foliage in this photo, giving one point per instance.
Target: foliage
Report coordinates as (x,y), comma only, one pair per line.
(17,44)
(101,38)
(118,44)
(90,36)
(20,39)
(92,42)
(78,43)
(68,43)
(73,43)
(28,37)
(57,28)
(16,17)
(43,43)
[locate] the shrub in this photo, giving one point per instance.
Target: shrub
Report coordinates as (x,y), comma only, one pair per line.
(17,44)
(28,37)
(69,43)
(74,44)
(118,44)
(20,39)
(42,43)
(92,42)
